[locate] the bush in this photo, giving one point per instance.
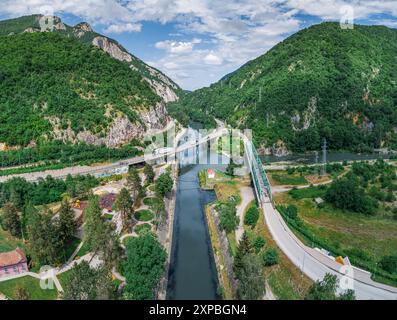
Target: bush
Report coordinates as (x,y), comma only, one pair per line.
(270,257)
(144,215)
(389,264)
(258,243)
(252,216)
(227,216)
(292,212)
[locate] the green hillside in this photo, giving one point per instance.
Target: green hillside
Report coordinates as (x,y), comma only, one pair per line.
(322,82)
(46,75)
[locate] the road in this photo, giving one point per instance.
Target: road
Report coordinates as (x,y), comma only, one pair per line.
(311,262)
(315,264)
(112,167)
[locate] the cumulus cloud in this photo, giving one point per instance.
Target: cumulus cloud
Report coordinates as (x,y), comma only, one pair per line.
(213,59)
(177,47)
(120,28)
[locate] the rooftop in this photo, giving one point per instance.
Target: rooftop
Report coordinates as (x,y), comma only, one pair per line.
(12,257)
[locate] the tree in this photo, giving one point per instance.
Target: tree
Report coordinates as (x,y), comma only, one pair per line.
(144,267)
(251,279)
(326,290)
(251,216)
(86,283)
(270,257)
(43,240)
(230,168)
(227,216)
(99,235)
(164,184)
(124,205)
(345,193)
(10,220)
(134,183)
(149,173)
(244,248)
(66,225)
(158,207)
(258,243)
(94,227)
(21,293)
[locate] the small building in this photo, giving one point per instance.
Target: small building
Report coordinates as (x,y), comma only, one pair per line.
(13,263)
(211,173)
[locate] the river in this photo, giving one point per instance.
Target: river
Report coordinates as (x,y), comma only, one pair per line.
(192,273)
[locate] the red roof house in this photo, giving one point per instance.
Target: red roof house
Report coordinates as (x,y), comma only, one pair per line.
(13,263)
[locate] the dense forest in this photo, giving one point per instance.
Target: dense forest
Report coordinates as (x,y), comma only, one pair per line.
(45,75)
(322,82)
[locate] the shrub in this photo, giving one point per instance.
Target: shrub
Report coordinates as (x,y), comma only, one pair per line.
(258,243)
(389,264)
(252,216)
(270,257)
(292,212)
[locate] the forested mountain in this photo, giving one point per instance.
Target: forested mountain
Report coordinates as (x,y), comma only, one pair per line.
(322,82)
(75,85)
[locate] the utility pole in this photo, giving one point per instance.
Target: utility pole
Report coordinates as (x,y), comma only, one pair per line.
(324,156)
(316,161)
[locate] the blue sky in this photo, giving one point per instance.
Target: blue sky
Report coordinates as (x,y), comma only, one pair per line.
(196,42)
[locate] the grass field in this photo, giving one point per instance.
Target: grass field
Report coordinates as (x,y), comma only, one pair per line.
(151,200)
(142,228)
(32,286)
(144,215)
(283,178)
(83,250)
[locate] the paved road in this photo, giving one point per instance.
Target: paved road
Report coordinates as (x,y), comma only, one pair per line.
(312,262)
(315,264)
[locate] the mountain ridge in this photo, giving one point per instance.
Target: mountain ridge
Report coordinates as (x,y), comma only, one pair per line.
(75,85)
(321,82)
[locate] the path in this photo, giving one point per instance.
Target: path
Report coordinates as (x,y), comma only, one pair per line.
(247,195)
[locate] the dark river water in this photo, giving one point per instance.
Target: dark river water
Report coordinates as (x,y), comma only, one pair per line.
(192,273)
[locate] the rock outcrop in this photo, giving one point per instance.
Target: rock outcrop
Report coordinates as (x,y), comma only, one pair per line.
(111,48)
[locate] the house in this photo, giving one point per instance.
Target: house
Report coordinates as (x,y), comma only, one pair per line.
(13,263)
(211,173)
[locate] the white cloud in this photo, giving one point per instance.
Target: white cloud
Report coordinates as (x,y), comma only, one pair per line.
(177,47)
(213,59)
(120,28)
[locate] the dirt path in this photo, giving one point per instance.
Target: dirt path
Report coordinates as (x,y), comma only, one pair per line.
(247,195)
